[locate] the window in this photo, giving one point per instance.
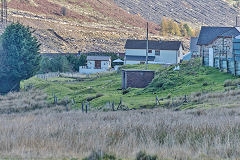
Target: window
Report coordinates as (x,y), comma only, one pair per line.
(157,52)
(149,51)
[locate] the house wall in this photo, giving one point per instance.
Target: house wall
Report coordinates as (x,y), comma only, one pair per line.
(132,62)
(167,57)
(136,78)
(138,52)
(104,64)
(91,64)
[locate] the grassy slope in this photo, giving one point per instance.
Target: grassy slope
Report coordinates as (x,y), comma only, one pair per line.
(168,84)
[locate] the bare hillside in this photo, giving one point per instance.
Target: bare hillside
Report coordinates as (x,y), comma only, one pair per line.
(207,12)
(104,25)
(86,25)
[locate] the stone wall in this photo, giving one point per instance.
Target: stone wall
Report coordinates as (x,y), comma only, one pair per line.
(136,78)
(222,48)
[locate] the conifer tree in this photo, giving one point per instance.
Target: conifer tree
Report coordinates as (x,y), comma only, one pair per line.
(20,57)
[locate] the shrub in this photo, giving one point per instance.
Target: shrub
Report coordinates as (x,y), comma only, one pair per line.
(143,156)
(99,155)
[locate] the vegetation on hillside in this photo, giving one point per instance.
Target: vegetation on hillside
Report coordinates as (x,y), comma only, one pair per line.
(170,27)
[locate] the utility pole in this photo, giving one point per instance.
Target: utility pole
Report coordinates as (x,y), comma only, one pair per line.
(4,13)
(147,49)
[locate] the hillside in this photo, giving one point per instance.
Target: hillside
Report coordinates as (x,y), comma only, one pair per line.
(104,25)
(201,12)
(87,25)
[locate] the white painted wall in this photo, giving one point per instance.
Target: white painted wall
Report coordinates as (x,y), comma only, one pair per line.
(132,62)
(138,52)
(91,64)
(167,57)
(105,65)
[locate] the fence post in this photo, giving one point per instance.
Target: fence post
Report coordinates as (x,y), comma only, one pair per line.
(157,100)
(82,107)
(113,108)
(86,107)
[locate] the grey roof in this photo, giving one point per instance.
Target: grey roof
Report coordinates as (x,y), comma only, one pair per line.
(209,34)
(118,61)
(153,44)
(100,58)
(193,44)
(139,58)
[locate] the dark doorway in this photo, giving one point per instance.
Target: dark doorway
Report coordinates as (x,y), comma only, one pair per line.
(98,64)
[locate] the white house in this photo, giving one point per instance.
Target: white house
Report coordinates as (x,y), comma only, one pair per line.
(96,64)
(162,52)
(99,62)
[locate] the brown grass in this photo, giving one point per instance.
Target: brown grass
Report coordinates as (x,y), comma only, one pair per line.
(48,133)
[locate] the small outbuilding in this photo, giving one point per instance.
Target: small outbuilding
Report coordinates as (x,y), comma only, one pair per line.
(137,78)
(99,62)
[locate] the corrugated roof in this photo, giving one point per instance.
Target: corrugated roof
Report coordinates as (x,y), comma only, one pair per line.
(139,58)
(100,58)
(152,44)
(209,34)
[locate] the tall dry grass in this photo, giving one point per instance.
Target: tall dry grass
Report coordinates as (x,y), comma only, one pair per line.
(193,134)
(44,132)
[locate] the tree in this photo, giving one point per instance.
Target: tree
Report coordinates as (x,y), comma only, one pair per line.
(176,29)
(76,61)
(164,26)
(188,29)
(20,57)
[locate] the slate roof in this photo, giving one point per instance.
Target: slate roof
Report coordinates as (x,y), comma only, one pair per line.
(100,58)
(139,58)
(153,44)
(209,34)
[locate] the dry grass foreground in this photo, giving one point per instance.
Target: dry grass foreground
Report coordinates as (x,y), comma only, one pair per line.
(47,133)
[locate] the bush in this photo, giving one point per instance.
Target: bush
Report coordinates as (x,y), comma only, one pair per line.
(99,155)
(143,156)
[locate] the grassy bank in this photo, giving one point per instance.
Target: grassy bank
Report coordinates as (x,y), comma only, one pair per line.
(105,89)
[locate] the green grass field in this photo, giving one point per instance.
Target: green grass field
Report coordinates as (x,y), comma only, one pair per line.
(167,84)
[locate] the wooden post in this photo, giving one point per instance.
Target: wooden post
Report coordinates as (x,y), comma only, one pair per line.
(113,108)
(82,107)
(86,107)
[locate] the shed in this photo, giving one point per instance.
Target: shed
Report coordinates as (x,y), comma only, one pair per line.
(99,62)
(137,78)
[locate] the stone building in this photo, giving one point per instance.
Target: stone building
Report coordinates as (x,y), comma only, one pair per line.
(216,43)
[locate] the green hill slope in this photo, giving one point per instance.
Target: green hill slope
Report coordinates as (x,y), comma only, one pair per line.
(192,83)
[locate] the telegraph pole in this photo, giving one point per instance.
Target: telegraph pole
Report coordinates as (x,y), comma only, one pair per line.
(4,13)
(147,49)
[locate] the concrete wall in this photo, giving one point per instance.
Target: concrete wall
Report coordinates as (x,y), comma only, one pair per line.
(136,78)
